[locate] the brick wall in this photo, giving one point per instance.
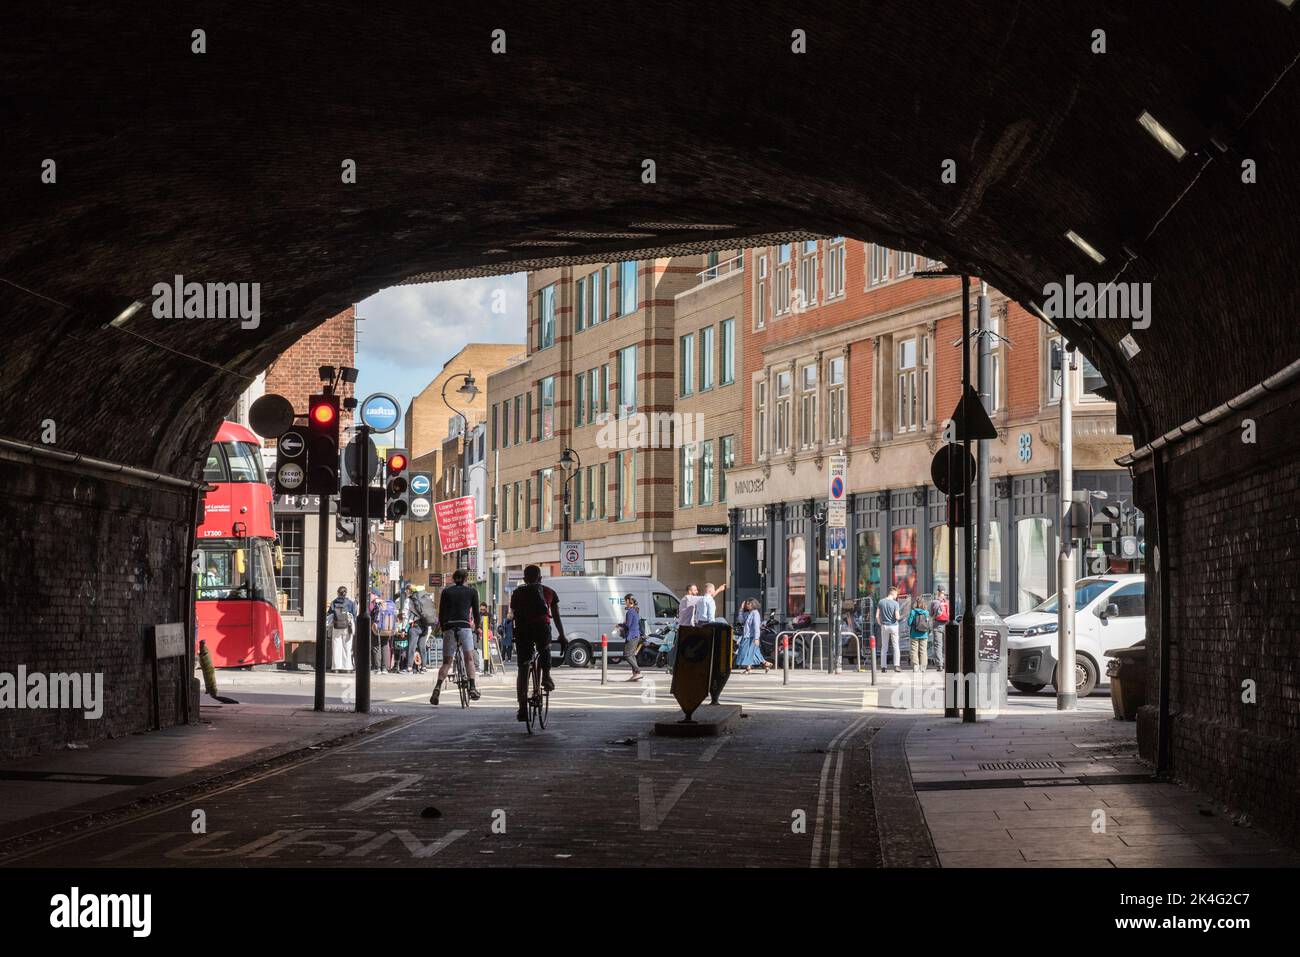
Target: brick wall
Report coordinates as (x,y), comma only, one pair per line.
(90,565)
(296,374)
(1234,523)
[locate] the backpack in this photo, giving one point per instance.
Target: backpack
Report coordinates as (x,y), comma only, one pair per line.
(339,609)
(921,620)
(942,615)
(529,603)
(425,609)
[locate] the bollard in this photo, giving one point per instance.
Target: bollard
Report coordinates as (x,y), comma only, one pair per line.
(604,658)
(785,664)
(873,659)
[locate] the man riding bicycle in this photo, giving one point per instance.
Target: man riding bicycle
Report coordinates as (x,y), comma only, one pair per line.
(459,617)
(534,606)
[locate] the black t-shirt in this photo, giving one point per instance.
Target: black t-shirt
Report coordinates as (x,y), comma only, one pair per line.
(459,603)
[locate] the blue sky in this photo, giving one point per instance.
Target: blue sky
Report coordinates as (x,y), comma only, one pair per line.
(409,332)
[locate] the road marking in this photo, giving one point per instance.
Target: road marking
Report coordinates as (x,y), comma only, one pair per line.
(403,781)
(832,753)
(712,749)
(643,749)
(652,813)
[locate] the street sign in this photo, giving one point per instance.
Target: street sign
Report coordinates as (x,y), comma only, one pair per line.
(949,459)
(289,476)
(457,529)
(420,508)
(420,483)
(270,415)
(292,443)
(420,496)
(571,558)
(380,411)
(836,506)
(837,538)
(352,464)
(710,529)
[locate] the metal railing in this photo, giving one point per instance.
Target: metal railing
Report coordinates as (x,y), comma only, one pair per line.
(725,268)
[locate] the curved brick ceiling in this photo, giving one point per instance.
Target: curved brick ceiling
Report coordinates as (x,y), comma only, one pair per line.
(226,167)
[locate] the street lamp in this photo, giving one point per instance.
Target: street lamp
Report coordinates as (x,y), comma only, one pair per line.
(569,459)
(469,390)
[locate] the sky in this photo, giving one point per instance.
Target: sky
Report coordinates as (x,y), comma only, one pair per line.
(409,332)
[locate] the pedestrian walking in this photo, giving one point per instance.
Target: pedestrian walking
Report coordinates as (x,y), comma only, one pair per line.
(887,616)
(918,630)
(508,636)
(631,632)
(423,622)
(340,624)
(749,652)
(940,614)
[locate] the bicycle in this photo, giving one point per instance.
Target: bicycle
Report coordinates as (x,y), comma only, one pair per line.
(539,699)
(458,663)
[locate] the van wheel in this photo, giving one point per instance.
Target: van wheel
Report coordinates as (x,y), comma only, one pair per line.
(1025,687)
(1085,676)
(578,655)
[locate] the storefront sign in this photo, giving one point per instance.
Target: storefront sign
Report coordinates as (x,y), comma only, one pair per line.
(633,566)
(710,529)
(457,529)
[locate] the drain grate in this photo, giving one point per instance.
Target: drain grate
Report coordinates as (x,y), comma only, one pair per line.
(1021,766)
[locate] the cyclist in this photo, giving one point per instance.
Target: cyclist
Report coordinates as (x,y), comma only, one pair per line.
(458,613)
(534,607)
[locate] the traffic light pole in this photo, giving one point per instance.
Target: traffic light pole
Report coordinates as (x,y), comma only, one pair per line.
(361,642)
(322,573)
(968,577)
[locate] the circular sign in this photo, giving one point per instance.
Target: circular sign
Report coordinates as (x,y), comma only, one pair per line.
(420,484)
(948,461)
(355,456)
(571,556)
(289,476)
(837,488)
(270,415)
(420,507)
(291,444)
(380,411)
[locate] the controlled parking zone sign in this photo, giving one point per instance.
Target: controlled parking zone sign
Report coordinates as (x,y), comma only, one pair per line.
(571,558)
(836,507)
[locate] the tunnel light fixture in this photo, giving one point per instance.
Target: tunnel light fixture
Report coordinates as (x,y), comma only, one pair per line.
(1287,3)
(125,315)
(1162,136)
(1086,246)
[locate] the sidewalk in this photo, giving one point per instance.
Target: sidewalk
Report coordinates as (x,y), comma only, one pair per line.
(1065,789)
(62,786)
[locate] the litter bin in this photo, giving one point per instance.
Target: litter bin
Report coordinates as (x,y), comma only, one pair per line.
(1127,671)
(702,664)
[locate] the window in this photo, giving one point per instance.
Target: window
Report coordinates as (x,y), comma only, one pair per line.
(912,376)
(527,489)
(519,414)
(603,511)
(727,446)
(245,460)
(576,508)
(546,499)
(593,299)
(519,506)
(289,579)
(547,390)
(547,306)
(1131,600)
(906,263)
(782,301)
(1092,381)
(687,455)
(879,271)
(580,304)
(835,267)
(627,287)
(760,419)
(837,405)
(579,398)
(604,387)
(995,363)
(528,415)
(781,420)
(626,463)
(806,293)
(1034,555)
(706,473)
(495,437)
(808,406)
(626,380)
(706,359)
(686,365)
(796,576)
(904,557)
(503,508)
(728,332)
(760,294)
(665,605)
(214,469)
(607,301)
(869,565)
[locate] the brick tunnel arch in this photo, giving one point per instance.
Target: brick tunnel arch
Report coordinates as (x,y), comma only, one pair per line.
(226,166)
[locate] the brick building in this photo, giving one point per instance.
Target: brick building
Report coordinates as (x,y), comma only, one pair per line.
(846,351)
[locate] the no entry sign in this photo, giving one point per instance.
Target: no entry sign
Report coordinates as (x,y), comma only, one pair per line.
(456,527)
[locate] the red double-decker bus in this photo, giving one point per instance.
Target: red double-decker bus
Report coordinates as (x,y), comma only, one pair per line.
(236,605)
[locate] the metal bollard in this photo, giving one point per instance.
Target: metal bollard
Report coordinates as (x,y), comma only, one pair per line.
(604,658)
(785,664)
(873,659)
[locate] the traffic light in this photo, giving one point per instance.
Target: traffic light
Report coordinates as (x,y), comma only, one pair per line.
(396,464)
(323,445)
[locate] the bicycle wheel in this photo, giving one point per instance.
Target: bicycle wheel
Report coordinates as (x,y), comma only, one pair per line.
(462,685)
(530,713)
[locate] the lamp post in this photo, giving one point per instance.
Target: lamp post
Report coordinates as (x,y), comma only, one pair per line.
(469,390)
(569,461)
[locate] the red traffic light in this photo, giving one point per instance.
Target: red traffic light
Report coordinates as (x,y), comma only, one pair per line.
(324,413)
(396,462)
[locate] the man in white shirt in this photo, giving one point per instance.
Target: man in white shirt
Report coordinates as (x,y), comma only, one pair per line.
(688,611)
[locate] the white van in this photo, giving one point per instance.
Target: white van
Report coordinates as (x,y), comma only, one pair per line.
(1109,612)
(592,605)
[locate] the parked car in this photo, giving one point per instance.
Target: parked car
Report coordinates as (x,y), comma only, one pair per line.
(1110,612)
(592,605)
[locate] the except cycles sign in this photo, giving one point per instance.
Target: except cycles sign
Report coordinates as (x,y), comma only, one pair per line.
(380,411)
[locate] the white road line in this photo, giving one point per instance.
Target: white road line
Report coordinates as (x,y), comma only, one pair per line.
(713,749)
(833,853)
(832,751)
(652,813)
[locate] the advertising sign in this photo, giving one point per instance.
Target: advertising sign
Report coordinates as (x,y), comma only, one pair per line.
(380,411)
(457,529)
